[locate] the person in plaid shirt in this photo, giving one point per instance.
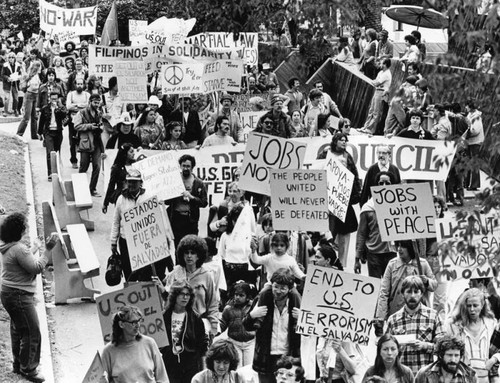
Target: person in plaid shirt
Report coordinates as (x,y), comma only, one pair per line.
(420,322)
(449,367)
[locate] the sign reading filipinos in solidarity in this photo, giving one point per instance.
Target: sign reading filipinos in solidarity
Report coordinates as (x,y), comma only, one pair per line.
(338,305)
(404,211)
(146,234)
(143,295)
(340,181)
(264,152)
(54,19)
(299,200)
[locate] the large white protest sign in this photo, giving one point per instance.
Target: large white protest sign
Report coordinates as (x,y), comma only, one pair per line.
(415,159)
(245,47)
(143,295)
(81,21)
(249,122)
(264,152)
(338,305)
(132,81)
(66,36)
(95,371)
(161,174)
(167,31)
(136,32)
(340,181)
(146,233)
(404,211)
(299,200)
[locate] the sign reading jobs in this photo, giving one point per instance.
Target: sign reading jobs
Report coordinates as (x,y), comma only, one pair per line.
(143,295)
(338,305)
(404,211)
(146,234)
(299,200)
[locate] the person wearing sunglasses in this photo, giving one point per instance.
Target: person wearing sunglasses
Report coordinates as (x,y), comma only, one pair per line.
(131,356)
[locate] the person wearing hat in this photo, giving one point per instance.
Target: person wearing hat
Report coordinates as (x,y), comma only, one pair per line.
(385,48)
(132,195)
(124,134)
(154,103)
(190,120)
(235,127)
(275,122)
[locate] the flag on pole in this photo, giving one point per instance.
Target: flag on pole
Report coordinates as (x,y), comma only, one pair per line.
(110,30)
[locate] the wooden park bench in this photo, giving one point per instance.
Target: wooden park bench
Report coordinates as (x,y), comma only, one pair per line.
(70,197)
(73,257)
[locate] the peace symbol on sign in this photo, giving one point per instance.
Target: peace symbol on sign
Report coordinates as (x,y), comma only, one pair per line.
(173,74)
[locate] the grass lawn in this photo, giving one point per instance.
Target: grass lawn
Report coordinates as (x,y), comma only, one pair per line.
(12,199)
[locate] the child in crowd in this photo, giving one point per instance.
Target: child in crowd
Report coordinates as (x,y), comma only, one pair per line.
(265,239)
(242,294)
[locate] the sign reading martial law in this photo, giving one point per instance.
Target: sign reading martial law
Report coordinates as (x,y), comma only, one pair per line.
(146,234)
(338,305)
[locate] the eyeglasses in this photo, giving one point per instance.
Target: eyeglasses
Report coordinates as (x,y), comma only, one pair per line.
(384,183)
(268,122)
(134,322)
(184,294)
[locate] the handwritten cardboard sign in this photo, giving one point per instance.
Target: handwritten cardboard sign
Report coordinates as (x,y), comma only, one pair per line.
(82,21)
(404,211)
(143,295)
(299,200)
(340,181)
(95,371)
(136,31)
(132,83)
(161,175)
(249,122)
(338,305)
(146,234)
(264,152)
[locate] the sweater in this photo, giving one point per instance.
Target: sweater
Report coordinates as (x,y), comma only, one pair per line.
(206,376)
(407,376)
(20,267)
(273,262)
(136,361)
(232,319)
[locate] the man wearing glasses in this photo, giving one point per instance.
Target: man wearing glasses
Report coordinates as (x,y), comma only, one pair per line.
(383,164)
(275,122)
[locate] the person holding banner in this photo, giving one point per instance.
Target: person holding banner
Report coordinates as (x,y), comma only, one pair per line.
(132,357)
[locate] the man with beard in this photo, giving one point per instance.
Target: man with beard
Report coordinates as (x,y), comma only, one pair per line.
(235,127)
(221,135)
(449,367)
(281,122)
(76,101)
(420,325)
(383,164)
(184,211)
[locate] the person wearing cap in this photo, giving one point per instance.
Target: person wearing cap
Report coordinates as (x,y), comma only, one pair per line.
(49,87)
(88,124)
(132,195)
(275,122)
(190,120)
(385,48)
(235,127)
(221,136)
(113,107)
(124,134)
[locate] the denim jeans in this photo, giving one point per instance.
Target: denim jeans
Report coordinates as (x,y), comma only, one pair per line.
(29,114)
(85,158)
(11,100)
(53,140)
(24,329)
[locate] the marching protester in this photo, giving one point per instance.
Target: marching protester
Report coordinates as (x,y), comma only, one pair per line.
(11,74)
(222,361)
(221,135)
(190,121)
(32,82)
(173,131)
(149,132)
(124,134)
(76,101)
(235,127)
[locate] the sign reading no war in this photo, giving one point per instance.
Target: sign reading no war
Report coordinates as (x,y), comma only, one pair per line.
(264,152)
(82,21)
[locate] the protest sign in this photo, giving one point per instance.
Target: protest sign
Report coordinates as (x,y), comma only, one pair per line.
(95,371)
(340,181)
(66,36)
(249,122)
(136,32)
(338,305)
(244,48)
(161,174)
(264,152)
(415,159)
(166,31)
(404,211)
(242,102)
(146,233)
(299,200)
(132,81)
(143,295)
(81,21)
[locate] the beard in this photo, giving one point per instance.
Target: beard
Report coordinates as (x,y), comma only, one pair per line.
(450,367)
(186,173)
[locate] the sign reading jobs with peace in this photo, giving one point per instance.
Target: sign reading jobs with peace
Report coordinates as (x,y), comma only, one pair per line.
(264,152)
(404,211)
(299,200)
(143,295)
(146,233)
(338,305)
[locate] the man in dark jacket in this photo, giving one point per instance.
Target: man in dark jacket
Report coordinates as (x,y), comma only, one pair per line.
(50,127)
(275,122)
(191,126)
(277,309)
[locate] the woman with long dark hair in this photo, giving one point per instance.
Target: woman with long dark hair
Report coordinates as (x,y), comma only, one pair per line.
(148,131)
(387,367)
(187,339)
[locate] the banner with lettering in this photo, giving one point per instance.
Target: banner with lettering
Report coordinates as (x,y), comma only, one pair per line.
(143,295)
(299,200)
(132,82)
(137,31)
(338,305)
(415,159)
(404,211)
(81,21)
(242,102)
(249,122)
(264,152)
(167,31)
